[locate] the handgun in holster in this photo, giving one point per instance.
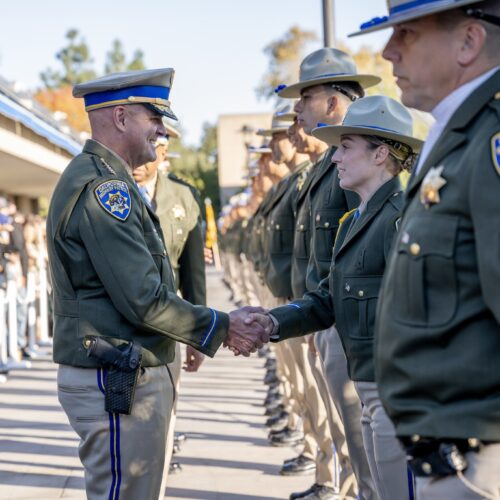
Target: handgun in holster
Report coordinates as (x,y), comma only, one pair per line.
(123,365)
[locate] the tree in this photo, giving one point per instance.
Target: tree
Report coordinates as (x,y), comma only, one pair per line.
(116,60)
(285,55)
(198,165)
(76,61)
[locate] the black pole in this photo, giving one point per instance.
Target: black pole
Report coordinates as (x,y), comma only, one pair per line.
(329,23)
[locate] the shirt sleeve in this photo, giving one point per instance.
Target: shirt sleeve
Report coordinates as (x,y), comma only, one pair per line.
(125,264)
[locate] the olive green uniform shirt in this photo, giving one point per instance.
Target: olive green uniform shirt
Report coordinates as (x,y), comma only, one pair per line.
(112,277)
(280,228)
(438,322)
(178,209)
(348,295)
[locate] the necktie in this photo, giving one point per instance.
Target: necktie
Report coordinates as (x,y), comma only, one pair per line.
(145,194)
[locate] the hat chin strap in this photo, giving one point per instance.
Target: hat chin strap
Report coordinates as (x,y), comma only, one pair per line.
(481,15)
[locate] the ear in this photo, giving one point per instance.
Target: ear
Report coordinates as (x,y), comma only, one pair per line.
(473,41)
(381,154)
(333,103)
(120,117)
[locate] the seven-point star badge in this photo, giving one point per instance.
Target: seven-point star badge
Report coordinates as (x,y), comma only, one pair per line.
(432,183)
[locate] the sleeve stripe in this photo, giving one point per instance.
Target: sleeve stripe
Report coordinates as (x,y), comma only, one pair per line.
(294,305)
(211,330)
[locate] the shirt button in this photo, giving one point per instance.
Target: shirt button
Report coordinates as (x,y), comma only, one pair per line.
(301,226)
(277,226)
(415,438)
(361,293)
(427,468)
(414,248)
(327,224)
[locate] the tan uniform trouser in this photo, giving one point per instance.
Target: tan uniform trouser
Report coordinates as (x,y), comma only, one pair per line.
(122,455)
(251,297)
(175,370)
(344,479)
(348,406)
(236,281)
(286,371)
(386,456)
(314,414)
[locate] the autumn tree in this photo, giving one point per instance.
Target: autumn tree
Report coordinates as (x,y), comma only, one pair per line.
(285,55)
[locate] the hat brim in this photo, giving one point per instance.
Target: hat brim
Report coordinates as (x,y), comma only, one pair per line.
(410,16)
(295,91)
(259,151)
(270,131)
(160,109)
(331,134)
(287,117)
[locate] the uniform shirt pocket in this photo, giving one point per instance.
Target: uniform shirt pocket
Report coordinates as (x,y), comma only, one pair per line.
(359,304)
(425,279)
(326,224)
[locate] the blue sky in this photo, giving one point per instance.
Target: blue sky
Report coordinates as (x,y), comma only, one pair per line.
(216,47)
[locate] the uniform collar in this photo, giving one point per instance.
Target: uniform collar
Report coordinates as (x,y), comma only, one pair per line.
(116,162)
(447,107)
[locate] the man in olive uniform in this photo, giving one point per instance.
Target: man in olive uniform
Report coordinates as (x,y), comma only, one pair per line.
(438,324)
(116,312)
(176,205)
(328,84)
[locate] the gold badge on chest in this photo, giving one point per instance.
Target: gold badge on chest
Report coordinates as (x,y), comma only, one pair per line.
(432,183)
(178,212)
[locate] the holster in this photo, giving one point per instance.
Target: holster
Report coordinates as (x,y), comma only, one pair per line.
(438,458)
(122,364)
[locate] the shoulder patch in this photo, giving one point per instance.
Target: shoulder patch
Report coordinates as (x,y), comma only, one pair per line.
(114,197)
(495,151)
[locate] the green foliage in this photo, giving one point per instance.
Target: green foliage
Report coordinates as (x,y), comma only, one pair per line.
(285,55)
(198,165)
(77,63)
(116,60)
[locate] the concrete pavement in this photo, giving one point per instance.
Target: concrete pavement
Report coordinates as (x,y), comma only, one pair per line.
(226,456)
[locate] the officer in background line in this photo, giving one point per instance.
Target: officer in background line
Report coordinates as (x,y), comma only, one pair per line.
(438,324)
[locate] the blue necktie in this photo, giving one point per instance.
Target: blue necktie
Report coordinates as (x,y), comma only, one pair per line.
(145,195)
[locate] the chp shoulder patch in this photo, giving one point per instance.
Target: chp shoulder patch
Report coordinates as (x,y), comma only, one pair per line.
(114,197)
(495,151)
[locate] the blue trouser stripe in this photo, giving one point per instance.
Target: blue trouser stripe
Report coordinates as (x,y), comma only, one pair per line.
(411,485)
(114,442)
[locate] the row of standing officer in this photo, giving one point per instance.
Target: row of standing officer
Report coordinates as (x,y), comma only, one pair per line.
(437,318)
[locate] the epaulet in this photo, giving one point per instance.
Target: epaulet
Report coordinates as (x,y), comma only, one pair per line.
(396,200)
(102,166)
(495,103)
(174,178)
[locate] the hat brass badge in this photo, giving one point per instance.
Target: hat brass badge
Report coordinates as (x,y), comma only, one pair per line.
(432,183)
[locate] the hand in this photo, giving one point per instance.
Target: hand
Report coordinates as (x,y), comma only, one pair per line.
(208,255)
(247,330)
(193,360)
(312,345)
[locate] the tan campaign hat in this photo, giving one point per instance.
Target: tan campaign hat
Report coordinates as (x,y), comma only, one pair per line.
(377,115)
(327,65)
(279,123)
(259,149)
(149,87)
(287,112)
(401,11)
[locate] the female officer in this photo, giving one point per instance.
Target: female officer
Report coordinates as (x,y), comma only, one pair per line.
(375,144)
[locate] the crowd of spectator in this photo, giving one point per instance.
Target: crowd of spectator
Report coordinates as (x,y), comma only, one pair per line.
(23,286)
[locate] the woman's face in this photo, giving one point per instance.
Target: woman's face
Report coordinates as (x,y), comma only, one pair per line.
(355,161)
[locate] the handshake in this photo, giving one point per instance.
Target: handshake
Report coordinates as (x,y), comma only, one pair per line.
(249,329)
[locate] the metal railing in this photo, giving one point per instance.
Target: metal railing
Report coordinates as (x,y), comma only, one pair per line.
(35,300)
